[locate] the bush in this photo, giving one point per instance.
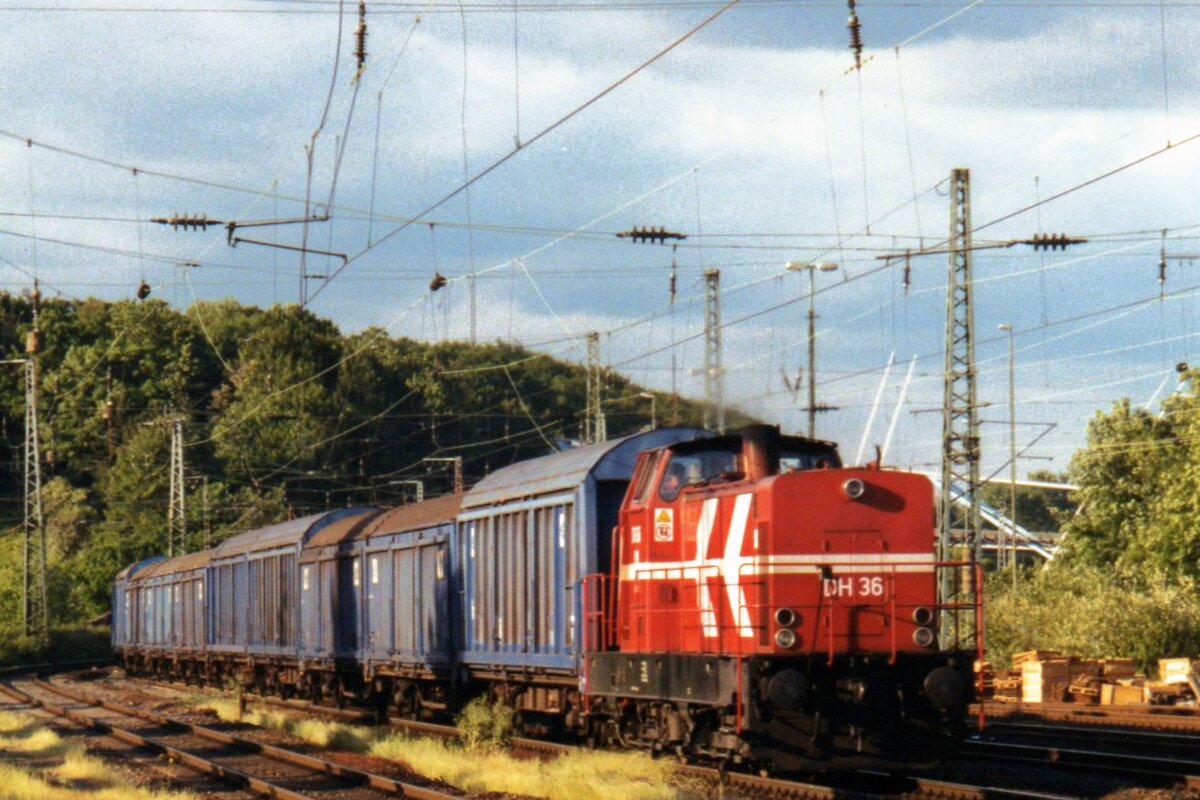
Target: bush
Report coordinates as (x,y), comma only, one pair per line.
(1091,612)
(66,644)
(485,724)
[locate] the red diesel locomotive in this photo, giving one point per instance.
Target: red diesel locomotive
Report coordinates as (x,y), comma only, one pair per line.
(768,606)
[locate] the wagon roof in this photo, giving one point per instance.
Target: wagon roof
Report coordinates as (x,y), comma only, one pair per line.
(292,532)
(171,566)
(611,460)
(413,517)
(137,566)
(343,529)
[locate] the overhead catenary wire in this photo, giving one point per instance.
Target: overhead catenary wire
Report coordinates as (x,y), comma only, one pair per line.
(310,152)
(296,8)
(546,131)
(378,117)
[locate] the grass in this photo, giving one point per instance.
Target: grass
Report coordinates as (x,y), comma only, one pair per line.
(580,775)
(333,735)
(484,767)
(70,774)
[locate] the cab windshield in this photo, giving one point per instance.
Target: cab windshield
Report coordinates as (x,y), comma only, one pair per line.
(689,469)
(794,459)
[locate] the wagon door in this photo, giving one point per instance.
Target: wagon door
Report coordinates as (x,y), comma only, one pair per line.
(310,608)
(435,611)
(348,584)
(379,610)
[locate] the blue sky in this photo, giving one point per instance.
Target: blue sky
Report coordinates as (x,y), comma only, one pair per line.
(726,139)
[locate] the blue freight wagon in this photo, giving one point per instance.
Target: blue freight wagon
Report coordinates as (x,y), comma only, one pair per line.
(527,534)
(254,616)
(125,613)
(330,579)
(408,596)
(421,607)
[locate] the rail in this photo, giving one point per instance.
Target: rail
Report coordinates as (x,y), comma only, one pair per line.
(352,778)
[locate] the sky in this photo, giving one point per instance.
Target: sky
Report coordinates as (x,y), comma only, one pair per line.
(752,134)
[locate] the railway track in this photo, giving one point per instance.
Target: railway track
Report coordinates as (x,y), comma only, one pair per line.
(863,784)
(1080,750)
(262,769)
(1165,744)
(1166,718)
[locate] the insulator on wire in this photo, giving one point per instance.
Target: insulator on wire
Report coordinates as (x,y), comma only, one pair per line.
(1054,241)
(198,222)
(907,270)
(1162,269)
(657,235)
(360,36)
(439,280)
(856,45)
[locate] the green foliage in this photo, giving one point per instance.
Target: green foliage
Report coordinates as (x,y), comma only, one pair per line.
(1038,510)
(1093,612)
(484,724)
(66,644)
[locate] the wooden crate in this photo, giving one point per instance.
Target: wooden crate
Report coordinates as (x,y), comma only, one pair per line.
(1117,668)
(1122,694)
(1045,681)
(1174,670)
(1035,655)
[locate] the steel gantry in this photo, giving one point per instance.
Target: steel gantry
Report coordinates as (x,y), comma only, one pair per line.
(595,425)
(177,505)
(960,419)
(714,372)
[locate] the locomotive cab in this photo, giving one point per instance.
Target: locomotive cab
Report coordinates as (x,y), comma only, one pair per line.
(769,604)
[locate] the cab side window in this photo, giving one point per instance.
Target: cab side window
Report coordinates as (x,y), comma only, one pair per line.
(689,469)
(643,477)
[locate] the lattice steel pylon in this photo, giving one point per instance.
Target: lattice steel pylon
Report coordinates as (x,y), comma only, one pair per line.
(960,420)
(595,424)
(177,505)
(714,372)
(36,612)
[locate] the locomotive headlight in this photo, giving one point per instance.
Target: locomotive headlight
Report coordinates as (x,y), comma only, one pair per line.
(922,637)
(854,488)
(785,617)
(785,638)
(922,615)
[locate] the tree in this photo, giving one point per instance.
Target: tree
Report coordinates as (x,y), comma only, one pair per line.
(1120,473)
(134,494)
(280,406)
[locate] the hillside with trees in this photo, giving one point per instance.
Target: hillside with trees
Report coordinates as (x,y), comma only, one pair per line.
(284,415)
